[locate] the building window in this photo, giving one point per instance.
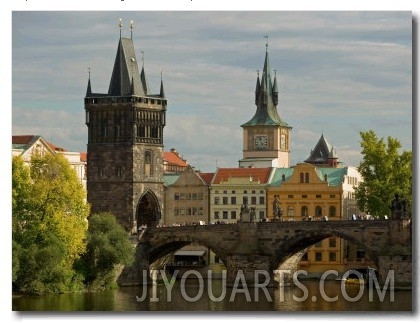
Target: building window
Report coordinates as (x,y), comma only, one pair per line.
(262,214)
(253,200)
(318,256)
(290,211)
(289,196)
(332,196)
(332,211)
(225,200)
(216,214)
(318,196)
(333,256)
(244,200)
(325,177)
(176,196)
(233,200)
(217,200)
(306,177)
(225,215)
(333,242)
(304,211)
(262,200)
(233,215)
(304,196)
(302,178)
(318,211)
(283,178)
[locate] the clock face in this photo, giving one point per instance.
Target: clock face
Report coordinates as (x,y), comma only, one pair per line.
(260,142)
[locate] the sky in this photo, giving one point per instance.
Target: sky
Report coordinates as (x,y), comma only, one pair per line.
(339,73)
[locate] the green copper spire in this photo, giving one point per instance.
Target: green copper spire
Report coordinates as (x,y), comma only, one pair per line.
(266,99)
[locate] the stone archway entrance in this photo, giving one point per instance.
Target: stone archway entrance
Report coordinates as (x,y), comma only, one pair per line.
(148,210)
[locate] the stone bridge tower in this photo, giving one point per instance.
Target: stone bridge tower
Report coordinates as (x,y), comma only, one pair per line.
(125,143)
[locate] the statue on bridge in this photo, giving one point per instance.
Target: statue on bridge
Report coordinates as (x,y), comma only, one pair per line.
(277,210)
(247,214)
(398,208)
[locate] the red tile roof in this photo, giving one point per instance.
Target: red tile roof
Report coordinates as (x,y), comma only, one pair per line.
(207,177)
(83,157)
(55,148)
(173,159)
(21,140)
(261,174)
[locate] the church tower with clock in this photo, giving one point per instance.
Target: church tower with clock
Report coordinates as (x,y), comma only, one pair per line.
(125,143)
(266,137)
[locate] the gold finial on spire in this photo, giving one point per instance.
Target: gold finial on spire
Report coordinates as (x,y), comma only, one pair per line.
(131,27)
(120,24)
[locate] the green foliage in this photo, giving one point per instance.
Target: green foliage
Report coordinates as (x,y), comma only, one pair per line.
(385,173)
(108,245)
(48,224)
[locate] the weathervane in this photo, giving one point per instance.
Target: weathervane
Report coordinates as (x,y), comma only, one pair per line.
(120,24)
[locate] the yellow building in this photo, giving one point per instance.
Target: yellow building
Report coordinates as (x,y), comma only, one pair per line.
(309,193)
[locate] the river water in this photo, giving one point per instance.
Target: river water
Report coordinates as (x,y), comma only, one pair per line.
(212,295)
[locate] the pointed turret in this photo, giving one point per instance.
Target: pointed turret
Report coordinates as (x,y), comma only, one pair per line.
(323,154)
(162,91)
(266,99)
(275,90)
(257,88)
(125,74)
(89,88)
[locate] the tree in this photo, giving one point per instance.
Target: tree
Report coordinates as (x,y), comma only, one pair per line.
(49,224)
(108,245)
(385,173)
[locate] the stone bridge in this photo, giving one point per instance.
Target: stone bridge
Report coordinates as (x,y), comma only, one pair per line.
(266,246)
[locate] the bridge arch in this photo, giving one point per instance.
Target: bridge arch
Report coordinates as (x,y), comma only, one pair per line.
(148,210)
(305,239)
(172,243)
